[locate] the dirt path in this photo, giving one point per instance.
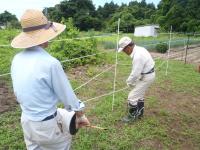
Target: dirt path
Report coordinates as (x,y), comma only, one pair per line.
(193,54)
(7,99)
(179,112)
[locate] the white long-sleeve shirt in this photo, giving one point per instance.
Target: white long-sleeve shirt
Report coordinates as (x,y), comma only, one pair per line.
(39,82)
(142,63)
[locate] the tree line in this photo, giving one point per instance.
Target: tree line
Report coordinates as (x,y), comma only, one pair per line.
(182,15)
(8,20)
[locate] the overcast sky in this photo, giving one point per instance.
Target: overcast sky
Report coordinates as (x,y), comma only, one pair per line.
(17,7)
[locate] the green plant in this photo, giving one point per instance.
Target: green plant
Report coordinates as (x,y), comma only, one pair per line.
(73,49)
(71,31)
(161,47)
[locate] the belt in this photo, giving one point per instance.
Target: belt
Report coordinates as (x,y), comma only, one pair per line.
(151,71)
(50,117)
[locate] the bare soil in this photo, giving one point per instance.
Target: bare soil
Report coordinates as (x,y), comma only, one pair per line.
(192,56)
(184,107)
(7,99)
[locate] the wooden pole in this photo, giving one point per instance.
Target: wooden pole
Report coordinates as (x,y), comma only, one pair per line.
(186,51)
(168,52)
(116,61)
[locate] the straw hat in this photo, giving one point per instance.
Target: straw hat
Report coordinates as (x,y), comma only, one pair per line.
(36,30)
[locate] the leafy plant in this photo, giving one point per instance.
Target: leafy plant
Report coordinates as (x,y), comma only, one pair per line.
(162,47)
(73,49)
(71,31)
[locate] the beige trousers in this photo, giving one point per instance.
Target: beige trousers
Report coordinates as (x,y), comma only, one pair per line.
(140,88)
(46,135)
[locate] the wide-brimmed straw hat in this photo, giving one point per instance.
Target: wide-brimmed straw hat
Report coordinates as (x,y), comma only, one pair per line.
(36,30)
(123,42)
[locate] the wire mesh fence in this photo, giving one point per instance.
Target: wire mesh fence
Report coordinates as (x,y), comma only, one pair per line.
(179,45)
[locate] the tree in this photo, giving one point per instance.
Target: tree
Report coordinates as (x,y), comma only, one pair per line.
(107,10)
(83,13)
(8,19)
(183,15)
(193,25)
(143,3)
(134,14)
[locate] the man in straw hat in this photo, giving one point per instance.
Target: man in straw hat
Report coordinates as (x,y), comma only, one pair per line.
(39,83)
(141,77)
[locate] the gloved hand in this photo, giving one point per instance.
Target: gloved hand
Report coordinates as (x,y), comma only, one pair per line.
(82,121)
(130,85)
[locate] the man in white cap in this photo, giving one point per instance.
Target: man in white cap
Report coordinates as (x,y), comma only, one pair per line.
(39,83)
(141,77)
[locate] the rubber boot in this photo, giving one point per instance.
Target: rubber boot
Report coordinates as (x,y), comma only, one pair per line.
(140,106)
(132,114)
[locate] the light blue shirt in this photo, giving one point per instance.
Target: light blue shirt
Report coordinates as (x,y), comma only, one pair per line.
(39,83)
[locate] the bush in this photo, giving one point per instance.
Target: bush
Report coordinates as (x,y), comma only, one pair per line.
(6,53)
(162,47)
(71,31)
(71,49)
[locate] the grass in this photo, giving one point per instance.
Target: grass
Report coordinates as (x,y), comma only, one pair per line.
(169,123)
(171,118)
(148,42)
(11,135)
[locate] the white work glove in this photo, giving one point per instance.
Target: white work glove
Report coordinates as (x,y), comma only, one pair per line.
(82,121)
(130,85)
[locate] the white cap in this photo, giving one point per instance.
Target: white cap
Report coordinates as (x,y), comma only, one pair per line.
(123,42)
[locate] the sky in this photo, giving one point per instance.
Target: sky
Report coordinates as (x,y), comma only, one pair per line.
(18,7)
